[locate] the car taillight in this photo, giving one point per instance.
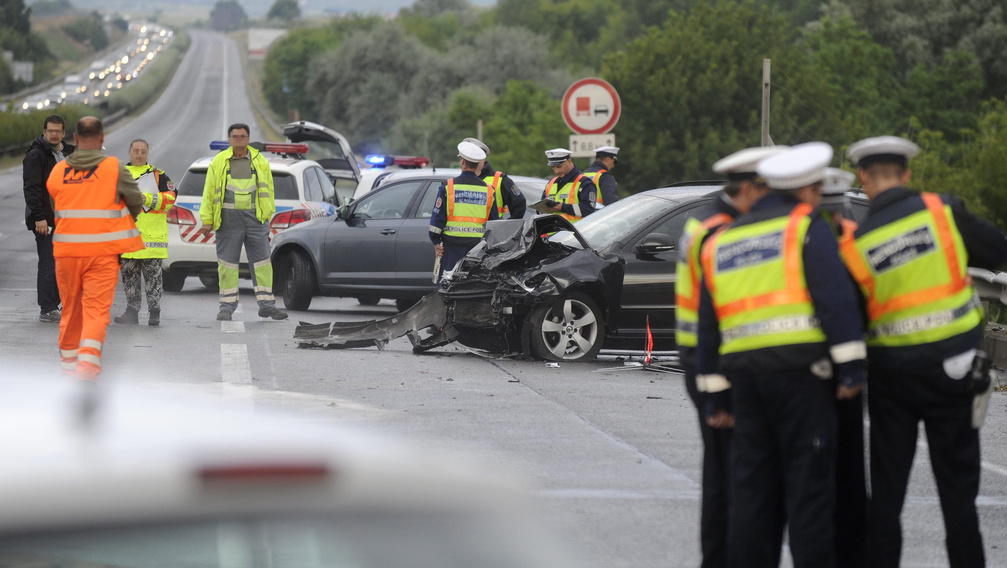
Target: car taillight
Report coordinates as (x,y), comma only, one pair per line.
(288,219)
(180,216)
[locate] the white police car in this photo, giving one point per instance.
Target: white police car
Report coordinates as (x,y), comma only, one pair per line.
(147,480)
(303,191)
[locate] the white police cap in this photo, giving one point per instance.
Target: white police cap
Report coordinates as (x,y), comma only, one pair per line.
(611,151)
(796,167)
(892,149)
(479,143)
(471,152)
(557,156)
(741,164)
(834,187)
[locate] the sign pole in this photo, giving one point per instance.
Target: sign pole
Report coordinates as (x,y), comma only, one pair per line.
(765,101)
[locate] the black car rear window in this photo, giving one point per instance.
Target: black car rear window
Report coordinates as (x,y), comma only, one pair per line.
(192,184)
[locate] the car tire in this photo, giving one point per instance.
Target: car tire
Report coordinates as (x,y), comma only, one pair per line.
(569,329)
(172,281)
(299,282)
(211,281)
(368,301)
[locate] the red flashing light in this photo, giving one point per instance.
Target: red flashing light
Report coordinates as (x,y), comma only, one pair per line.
(411,161)
(180,216)
(265,472)
(288,219)
(286,148)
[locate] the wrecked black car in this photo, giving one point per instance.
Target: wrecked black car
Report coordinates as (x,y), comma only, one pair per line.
(546,288)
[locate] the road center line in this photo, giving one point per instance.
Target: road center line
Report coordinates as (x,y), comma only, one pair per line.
(234,368)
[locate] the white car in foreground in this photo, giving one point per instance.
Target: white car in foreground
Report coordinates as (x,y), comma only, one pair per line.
(146,480)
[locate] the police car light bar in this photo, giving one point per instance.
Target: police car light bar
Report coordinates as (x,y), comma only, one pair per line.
(275,148)
(379,161)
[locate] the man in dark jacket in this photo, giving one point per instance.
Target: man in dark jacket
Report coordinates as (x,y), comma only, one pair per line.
(38,162)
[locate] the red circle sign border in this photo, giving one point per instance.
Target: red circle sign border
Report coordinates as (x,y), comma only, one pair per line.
(604,85)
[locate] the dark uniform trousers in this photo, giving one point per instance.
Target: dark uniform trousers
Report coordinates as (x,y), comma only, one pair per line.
(851,485)
(714,516)
(897,402)
(452,254)
(784,468)
(48,292)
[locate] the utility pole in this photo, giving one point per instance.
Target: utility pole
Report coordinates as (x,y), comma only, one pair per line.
(479,129)
(766,140)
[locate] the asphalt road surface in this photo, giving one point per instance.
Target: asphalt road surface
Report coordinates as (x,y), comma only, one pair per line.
(613,455)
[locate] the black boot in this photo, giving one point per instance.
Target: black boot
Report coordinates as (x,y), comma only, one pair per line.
(155,317)
(129,317)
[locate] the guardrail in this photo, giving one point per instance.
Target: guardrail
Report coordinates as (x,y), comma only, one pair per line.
(991,286)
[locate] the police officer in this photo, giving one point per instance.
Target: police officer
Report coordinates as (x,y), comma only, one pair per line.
(238,202)
(851,482)
(910,259)
(461,210)
(778,320)
(158,197)
(509,199)
(573,192)
(600,172)
(743,188)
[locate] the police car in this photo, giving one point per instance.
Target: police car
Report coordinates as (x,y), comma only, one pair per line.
(303,191)
(132,476)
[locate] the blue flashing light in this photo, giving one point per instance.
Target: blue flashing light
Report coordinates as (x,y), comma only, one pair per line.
(379,161)
(219,145)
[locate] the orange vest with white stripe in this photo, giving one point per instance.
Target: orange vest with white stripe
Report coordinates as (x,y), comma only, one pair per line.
(914,274)
(755,275)
(90,218)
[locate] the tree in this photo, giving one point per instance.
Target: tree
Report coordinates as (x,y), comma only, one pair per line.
(228,15)
(284,10)
(434,8)
(88,30)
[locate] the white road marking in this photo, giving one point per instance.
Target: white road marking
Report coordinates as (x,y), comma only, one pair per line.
(232,326)
(234,367)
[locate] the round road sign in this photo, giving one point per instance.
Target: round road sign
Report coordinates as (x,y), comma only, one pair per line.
(591,106)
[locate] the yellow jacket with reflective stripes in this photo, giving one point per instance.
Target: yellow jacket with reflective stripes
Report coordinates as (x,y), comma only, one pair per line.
(216,182)
(914,274)
(152,223)
(688,275)
(566,194)
(468,209)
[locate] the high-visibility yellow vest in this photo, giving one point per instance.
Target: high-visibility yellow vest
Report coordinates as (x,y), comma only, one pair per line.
(566,194)
(152,223)
(755,274)
(218,177)
(494,182)
(688,273)
(596,178)
(914,274)
(91,220)
(469,207)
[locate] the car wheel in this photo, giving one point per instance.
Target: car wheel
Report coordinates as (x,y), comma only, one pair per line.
(403,304)
(569,329)
(172,281)
(299,282)
(368,301)
(211,281)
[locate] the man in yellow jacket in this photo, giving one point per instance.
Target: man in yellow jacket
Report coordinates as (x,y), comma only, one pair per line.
(238,202)
(158,197)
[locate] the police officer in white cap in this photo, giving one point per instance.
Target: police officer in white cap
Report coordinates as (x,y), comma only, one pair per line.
(600,172)
(743,188)
(509,199)
(779,341)
(574,193)
(461,210)
(910,258)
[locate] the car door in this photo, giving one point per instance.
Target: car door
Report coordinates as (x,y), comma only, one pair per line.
(648,288)
(360,251)
(414,253)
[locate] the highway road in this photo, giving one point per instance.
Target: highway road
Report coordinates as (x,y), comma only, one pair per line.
(613,456)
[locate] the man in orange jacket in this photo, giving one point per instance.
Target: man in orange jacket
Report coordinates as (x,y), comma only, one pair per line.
(96,202)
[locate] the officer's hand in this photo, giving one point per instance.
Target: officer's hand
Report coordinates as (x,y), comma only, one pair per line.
(721,420)
(205,230)
(41,227)
(556,208)
(717,408)
(439,249)
(845,393)
(850,378)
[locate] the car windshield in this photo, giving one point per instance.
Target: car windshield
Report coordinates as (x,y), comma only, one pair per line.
(354,541)
(616,221)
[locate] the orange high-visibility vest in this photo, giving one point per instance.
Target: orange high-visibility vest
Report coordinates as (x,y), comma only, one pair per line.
(566,194)
(688,274)
(90,218)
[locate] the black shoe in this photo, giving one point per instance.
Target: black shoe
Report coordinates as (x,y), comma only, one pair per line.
(129,317)
(275,313)
(223,315)
(154,318)
(50,316)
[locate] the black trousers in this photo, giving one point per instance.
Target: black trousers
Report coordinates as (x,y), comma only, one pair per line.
(897,402)
(851,485)
(48,292)
(714,509)
(784,469)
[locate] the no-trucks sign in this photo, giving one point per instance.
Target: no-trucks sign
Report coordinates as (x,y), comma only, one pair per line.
(591,106)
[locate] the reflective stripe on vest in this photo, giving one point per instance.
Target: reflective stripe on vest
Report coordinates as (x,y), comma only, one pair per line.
(566,194)
(502,209)
(91,220)
(688,273)
(914,274)
(469,208)
(596,178)
(755,274)
(153,223)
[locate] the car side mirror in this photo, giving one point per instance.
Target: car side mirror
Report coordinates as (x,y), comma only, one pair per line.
(343,212)
(655,243)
